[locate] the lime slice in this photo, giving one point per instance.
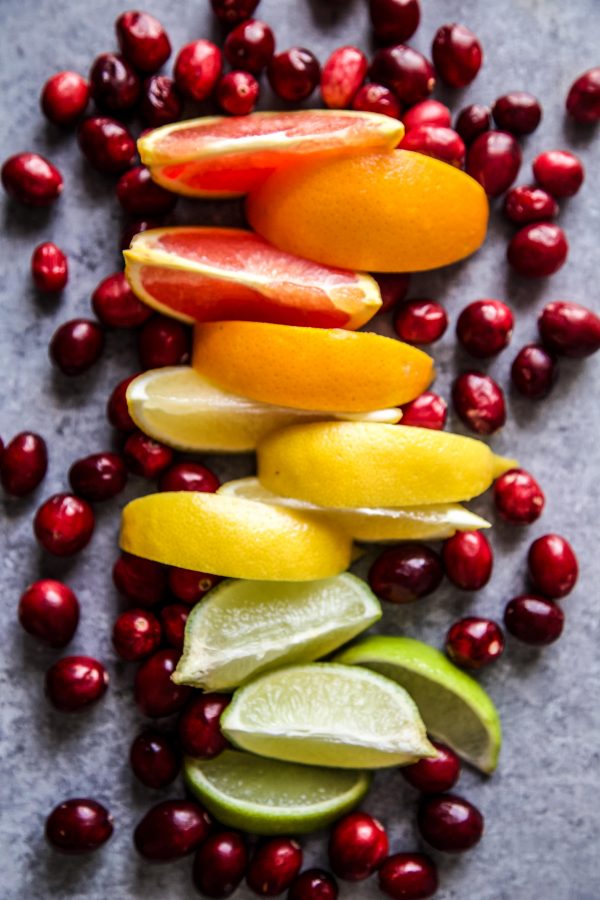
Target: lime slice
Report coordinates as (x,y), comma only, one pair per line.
(327,715)
(411,523)
(266,796)
(454,707)
(243,628)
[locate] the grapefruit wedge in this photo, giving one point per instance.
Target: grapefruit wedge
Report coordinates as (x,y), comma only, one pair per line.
(217,156)
(214,274)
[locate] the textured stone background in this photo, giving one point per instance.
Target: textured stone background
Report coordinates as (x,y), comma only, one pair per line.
(542,807)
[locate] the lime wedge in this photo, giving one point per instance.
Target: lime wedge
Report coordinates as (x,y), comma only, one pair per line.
(243,628)
(454,707)
(327,715)
(266,796)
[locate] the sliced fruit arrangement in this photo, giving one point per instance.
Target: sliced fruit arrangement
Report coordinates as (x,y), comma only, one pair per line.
(310,368)
(199,274)
(225,157)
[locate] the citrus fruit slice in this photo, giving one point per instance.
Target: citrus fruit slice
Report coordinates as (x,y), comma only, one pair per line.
(220,156)
(454,707)
(386,212)
(310,368)
(355,464)
(325,714)
(411,523)
(177,406)
(208,274)
(244,628)
(267,796)
(233,537)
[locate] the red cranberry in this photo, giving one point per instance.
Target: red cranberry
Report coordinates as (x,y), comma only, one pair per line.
(404,573)
(163,342)
(313,884)
(31,179)
(583,99)
(538,250)
(250,46)
(137,227)
(376,98)
(472,121)
(342,76)
(116,305)
(393,288)
(518,497)
(237,93)
(140,196)
(479,402)
(559,172)
(23,463)
(64,524)
(569,329)
(552,566)
(517,112)
(525,204)
(493,160)
(171,829)
(79,825)
(142,581)
(231,12)
(394,21)
(533,371)
(428,410)
(106,144)
(358,844)
(197,69)
(49,610)
(76,346)
(420,321)
(468,560)
(99,476)
(146,457)
(408,876)
(65,97)
(441,143)
(534,620)
(457,55)
(49,268)
(173,618)
(143,41)
(294,74)
(220,864)
(274,866)
(116,408)
(199,726)
(136,634)
(155,693)
(190,586)
(405,71)
(154,760)
(189,476)
(75,682)
(473,642)
(432,776)
(115,86)
(484,327)
(427,112)
(450,823)
(161,101)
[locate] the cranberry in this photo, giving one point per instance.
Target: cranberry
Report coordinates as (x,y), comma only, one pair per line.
(220,864)
(49,610)
(313,884)
(552,566)
(428,410)
(173,618)
(517,112)
(189,476)
(294,74)
(142,581)
(137,227)
(99,476)
(405,71)
(64,524)
(376,98)
(237,93)
(231,12)
(472,121)
(79,825)
(427,112)
(106,144)
(538,250)
(171,829)
(408,876)
(441,143)
(116,408)
(76,346)
(534,620)
(190,586)
(569,329)
(533,371)
(393,288)
(518,497)
(146,457)
(75,682)
(143,41)
(432,776)
(23,463)
(197,69)
(274,866)
(493,160)
(420,321)
(163,342)
(583,99)
(250,46)
(161,101)
(342,76)
(154,759)
(114,83)
(457,55)
(155,693)
(394,21)
(140,196)
(525,204)
(49,268)
(199,726)
(136,634)
(31,179)
(450,823)
(473,642)
(468,560)
(358,844)
(65,97)
(404,573)
(559,172)
(479,402)
(484,327)
(116,305)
